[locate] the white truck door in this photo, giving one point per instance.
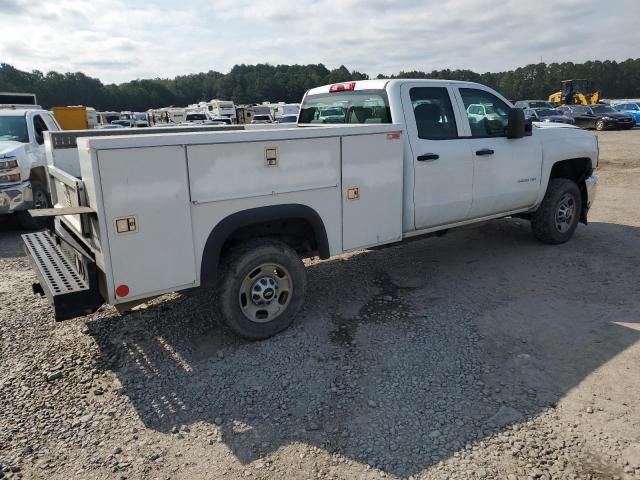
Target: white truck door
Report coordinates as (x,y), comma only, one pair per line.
(443,167)
(39,126)
(506,171)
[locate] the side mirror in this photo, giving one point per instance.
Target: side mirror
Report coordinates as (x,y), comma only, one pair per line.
(518,126)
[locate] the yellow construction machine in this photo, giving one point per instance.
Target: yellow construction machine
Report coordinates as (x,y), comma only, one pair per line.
(575,92)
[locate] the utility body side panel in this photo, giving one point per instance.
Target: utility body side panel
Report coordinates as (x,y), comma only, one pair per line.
(174,189)
(371,190)
(145,193)
(256,169)
(227,178)
(325,202)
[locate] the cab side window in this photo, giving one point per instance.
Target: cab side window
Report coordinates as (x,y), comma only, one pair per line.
(433,113)
(39,127)
(488,115)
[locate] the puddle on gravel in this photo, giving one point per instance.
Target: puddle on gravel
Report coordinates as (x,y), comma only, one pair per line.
(388,305)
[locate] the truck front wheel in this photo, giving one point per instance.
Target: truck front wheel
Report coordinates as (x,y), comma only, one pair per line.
(262,288)
(40,200)
(559,213)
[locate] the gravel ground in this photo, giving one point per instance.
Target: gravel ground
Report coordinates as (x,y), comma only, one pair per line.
(478,355)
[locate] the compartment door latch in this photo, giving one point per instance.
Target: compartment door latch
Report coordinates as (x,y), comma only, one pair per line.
(353,193)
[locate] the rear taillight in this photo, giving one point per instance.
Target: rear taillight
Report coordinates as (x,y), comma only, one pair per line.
(342,87)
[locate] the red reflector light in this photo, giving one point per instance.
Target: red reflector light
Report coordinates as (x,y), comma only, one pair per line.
(122,290)
(393,136)
(341,87)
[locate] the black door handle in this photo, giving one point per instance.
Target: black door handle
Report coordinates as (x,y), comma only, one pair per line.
(428,156)
(485,151)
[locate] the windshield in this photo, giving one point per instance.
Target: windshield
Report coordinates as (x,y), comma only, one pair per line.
(602,109)
(196,116)
(363,106)
(14,128)
(262,117)
(289,119)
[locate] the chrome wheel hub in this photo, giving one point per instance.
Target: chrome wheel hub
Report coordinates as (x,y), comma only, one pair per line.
(40,200)
(566,212)
(265,292)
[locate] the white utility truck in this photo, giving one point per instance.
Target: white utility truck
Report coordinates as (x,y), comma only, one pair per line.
(234,211)
(23,180)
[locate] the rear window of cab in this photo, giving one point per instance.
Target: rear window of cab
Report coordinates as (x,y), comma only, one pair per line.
(346,107)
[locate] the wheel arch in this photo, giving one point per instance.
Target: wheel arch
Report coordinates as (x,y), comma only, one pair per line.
(38,174)
(297,225)
(577,170)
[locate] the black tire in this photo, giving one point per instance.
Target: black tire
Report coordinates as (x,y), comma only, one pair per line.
(41,200)
(546,222)
(600,125)
(234,304)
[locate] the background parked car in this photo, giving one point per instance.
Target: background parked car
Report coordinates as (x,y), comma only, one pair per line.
(288,119)
(197,118)
(262,119)
(221,120)
(124,123)
(331,115)
(548,115)
(477,112)
(600,117)
(524,104)
(630,108)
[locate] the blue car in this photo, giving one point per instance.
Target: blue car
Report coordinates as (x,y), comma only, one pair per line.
(631,108)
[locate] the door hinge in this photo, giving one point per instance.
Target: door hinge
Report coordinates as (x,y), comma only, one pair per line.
(353,193)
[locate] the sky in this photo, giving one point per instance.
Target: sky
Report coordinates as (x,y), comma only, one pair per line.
(119,40)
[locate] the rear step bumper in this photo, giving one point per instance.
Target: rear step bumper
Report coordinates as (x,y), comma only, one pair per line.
(72,293)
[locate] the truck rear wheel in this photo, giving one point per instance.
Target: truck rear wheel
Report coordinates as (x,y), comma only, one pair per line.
(262,288)
(557,217)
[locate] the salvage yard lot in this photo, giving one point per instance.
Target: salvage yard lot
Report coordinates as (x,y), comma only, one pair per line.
(479,354)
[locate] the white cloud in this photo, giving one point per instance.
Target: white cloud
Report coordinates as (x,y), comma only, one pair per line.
(116,41)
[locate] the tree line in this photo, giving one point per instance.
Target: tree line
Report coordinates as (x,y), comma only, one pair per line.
(246,84)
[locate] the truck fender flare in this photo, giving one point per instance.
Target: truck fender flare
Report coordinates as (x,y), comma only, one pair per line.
(244,218)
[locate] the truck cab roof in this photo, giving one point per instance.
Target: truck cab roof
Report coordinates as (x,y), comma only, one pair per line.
(384,83)
(19,111)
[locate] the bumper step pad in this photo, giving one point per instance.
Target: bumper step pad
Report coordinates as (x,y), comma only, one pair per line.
(69,293)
